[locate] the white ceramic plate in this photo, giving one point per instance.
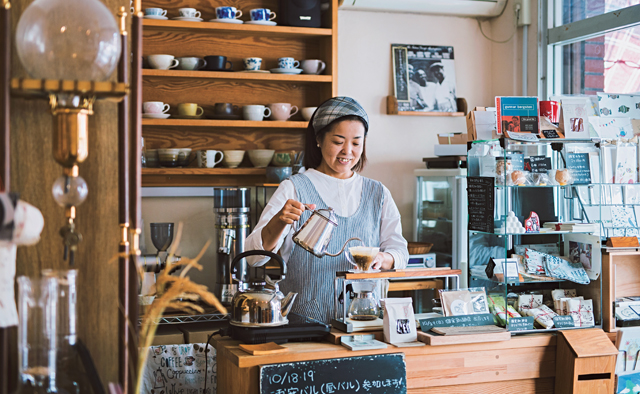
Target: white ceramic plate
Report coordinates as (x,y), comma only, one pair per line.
(286,70)
(236,21)
(255,71)
(187,19)
(156,116)
(264,23)
(159,17)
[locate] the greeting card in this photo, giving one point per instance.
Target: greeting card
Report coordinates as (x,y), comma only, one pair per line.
(617,105)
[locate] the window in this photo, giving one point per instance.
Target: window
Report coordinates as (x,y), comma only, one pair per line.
(590,46)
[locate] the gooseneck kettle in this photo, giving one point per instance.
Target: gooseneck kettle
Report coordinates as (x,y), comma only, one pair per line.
(259,306)
(315,233)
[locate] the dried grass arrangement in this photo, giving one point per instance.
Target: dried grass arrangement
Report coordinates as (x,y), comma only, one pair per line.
(177,292)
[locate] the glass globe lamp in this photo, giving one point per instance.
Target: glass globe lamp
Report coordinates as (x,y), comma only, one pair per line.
(68,39)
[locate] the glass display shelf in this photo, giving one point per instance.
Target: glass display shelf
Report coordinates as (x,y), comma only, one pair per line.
(514,283)
(538,233)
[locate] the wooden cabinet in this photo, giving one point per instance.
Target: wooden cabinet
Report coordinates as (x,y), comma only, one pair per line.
(235,41)
(620,278)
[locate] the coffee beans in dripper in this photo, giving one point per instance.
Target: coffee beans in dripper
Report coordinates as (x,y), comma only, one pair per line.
(362,257)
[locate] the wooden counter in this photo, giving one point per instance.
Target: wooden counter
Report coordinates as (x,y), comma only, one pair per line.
(524,364)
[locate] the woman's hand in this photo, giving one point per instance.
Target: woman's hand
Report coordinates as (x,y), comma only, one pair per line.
(291,211)
(382,261)
(289,214)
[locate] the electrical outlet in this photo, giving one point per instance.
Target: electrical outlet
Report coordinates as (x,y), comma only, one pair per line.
(522,8)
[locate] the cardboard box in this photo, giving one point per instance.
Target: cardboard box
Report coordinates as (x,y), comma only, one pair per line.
(481,124)
(452,138)
(168,335)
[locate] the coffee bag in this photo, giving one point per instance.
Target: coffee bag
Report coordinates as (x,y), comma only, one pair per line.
(399,322)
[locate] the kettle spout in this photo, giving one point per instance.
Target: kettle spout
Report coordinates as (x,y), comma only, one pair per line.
(287,303)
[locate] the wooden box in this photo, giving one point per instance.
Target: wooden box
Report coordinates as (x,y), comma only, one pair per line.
(585,362)
(620,278)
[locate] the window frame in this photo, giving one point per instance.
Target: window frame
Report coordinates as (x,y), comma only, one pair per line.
(553,35)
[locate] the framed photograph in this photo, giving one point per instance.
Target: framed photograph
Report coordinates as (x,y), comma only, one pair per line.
(424,78)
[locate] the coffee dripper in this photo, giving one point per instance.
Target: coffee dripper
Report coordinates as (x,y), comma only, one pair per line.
(315,233)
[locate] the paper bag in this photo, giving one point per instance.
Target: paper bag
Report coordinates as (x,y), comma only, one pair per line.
(399,322)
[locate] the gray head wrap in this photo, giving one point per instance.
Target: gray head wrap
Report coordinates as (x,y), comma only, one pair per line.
(336,108)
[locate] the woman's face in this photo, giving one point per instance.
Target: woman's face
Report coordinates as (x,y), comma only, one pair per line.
(341,149)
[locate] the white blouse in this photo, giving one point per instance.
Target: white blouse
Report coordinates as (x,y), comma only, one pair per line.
(343,195)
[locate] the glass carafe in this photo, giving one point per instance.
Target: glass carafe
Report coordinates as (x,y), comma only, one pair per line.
(71,374)
(364,305)
(37,336)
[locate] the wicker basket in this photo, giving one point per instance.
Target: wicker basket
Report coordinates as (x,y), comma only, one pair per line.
(419,247)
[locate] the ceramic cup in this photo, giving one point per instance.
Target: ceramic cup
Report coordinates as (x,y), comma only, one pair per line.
(189,13)
(155,107)
(168,157)
(191,63)
(255,112)
(183,156)
(232,158)
(288,62)
(151,156)
(190,109)
(307,112)
(252,63)
(155,11)
(262,14)
(207,158)
(162,62)
(224,108)
(282,111)
(228,13)
(217,63)
(312,66)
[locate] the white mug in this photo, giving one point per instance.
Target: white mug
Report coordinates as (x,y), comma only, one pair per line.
(207,158)
(255,112)
(312,66)
(189,13)
(155,107)
(162,62)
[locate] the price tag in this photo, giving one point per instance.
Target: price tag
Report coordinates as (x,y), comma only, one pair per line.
(563,322)
(482,319)
(520,323)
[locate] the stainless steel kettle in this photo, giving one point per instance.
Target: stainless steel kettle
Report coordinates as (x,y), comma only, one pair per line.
(259,306)
(315,233)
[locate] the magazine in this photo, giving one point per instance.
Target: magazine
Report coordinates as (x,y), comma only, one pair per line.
(517,115)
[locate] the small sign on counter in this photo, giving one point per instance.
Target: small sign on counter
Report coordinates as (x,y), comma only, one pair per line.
(563,322)
(480,208)
(520,323)
(376,374)
(481,319)
(580,170)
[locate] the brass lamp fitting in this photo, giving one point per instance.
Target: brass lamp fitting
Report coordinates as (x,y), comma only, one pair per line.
(71,133)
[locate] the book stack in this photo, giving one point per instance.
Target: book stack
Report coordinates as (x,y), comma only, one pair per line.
(572,227)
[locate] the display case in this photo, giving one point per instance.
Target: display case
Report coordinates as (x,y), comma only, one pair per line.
(440,215)
(535,231)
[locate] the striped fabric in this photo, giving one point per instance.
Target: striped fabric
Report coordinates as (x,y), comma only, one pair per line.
(336,108)
(311,277)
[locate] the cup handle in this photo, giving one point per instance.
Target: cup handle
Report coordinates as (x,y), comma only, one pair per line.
(201,111)
(164,13)
(268,112)
(296,64)
(204,64)
(174,63)
(221,157)
(198,14)
(165,108)
(272,15)
(323,65)
(230,65)
(238,14)
(295,111)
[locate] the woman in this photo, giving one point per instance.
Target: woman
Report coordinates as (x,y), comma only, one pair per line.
(335,151)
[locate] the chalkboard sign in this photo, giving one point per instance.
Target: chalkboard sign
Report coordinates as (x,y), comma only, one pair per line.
(481,319)
(382,373)
(521,323)
(550,133)
(517,161)
(563,322)
(480,207)
(540,164)
(579,165)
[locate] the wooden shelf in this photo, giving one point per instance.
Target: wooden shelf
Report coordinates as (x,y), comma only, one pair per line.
(204,171)
(236,76)
(392,109)
(266,124)
(239,28)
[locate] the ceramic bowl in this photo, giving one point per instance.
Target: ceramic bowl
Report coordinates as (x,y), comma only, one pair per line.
(183,157)
(232,158)
(261,157)
(307,112)
(281,159)
(169,157)
(278,174)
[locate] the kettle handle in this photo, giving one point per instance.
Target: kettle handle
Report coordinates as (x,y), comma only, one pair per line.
(236,260)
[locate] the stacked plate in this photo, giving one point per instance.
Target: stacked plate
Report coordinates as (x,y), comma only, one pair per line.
(286,70)
(187,19)
(236,21)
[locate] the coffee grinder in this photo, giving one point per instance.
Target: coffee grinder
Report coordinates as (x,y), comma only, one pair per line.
(232,206)
(161,237)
